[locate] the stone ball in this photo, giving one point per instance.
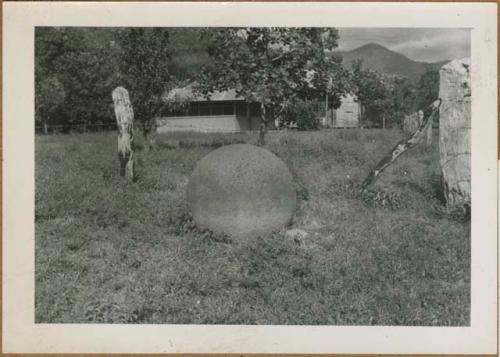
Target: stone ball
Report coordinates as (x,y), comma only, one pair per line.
(241,190)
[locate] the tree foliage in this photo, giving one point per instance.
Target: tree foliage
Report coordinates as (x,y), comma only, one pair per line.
(370,90)
(272,66)
(49,97)
(145,60)
(427,89)
(305,115)
(76,69)
(74,72)
(388,98)
(86,64)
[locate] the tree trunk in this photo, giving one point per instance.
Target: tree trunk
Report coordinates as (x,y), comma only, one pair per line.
(125,121)
(383,121)
(149,138)
(45,127)
(263,125)
(403,146)
(325,123)
(362,113)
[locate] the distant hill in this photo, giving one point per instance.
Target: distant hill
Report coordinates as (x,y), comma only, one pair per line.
(381,59)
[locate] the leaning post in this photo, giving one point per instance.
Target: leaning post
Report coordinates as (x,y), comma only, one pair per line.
(404,145)
(125,121)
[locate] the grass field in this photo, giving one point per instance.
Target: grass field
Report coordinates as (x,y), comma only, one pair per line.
(117,252)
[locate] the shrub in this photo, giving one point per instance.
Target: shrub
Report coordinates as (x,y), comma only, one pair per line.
(303,114)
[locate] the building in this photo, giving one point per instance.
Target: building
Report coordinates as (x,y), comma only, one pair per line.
(223,112)
(346,116)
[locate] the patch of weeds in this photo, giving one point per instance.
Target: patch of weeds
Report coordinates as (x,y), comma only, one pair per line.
(183,223)
(219,142)
(186,144)
(302,191)
(436,184)
(381,199)
(108,173)
(103,312)
(274,262)
(336,188)
(330,147)
(166,145)
(348,135)
(154,185)
(457,213)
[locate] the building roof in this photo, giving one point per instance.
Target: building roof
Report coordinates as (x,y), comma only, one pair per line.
(186,93)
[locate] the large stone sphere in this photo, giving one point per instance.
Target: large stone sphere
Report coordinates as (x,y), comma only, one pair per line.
(241,190)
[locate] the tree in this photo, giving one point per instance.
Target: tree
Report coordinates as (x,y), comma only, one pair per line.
(49,91)
(271,66)
(369,89)
(81,63)
(145,61)
(190,53)
(49,97)
(427,89)
(304,114)
(401,101)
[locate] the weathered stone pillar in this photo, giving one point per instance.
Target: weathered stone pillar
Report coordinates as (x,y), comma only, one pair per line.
(125,121)
(454,131)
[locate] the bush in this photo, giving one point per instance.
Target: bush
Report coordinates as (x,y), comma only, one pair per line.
(303,114)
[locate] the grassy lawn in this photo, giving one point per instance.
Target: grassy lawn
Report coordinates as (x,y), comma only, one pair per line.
(117,252)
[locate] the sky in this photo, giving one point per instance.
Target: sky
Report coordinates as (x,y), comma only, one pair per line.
(418,44)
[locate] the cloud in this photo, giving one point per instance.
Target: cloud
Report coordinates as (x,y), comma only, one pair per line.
(420,44)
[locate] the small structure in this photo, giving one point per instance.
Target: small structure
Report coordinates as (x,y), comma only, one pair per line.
(218,112)
(345,116)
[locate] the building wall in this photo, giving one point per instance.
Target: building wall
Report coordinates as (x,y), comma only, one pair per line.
(209,124)
(347,115)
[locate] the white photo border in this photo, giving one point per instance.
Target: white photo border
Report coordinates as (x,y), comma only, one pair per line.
(21,334)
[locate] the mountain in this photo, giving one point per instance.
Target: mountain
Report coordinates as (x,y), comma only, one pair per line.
(381,59)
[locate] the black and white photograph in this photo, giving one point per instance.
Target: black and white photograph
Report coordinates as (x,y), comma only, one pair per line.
(277,178)
(257,175)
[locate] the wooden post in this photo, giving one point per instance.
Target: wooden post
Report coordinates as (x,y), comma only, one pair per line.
(326,111)
(125,121)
